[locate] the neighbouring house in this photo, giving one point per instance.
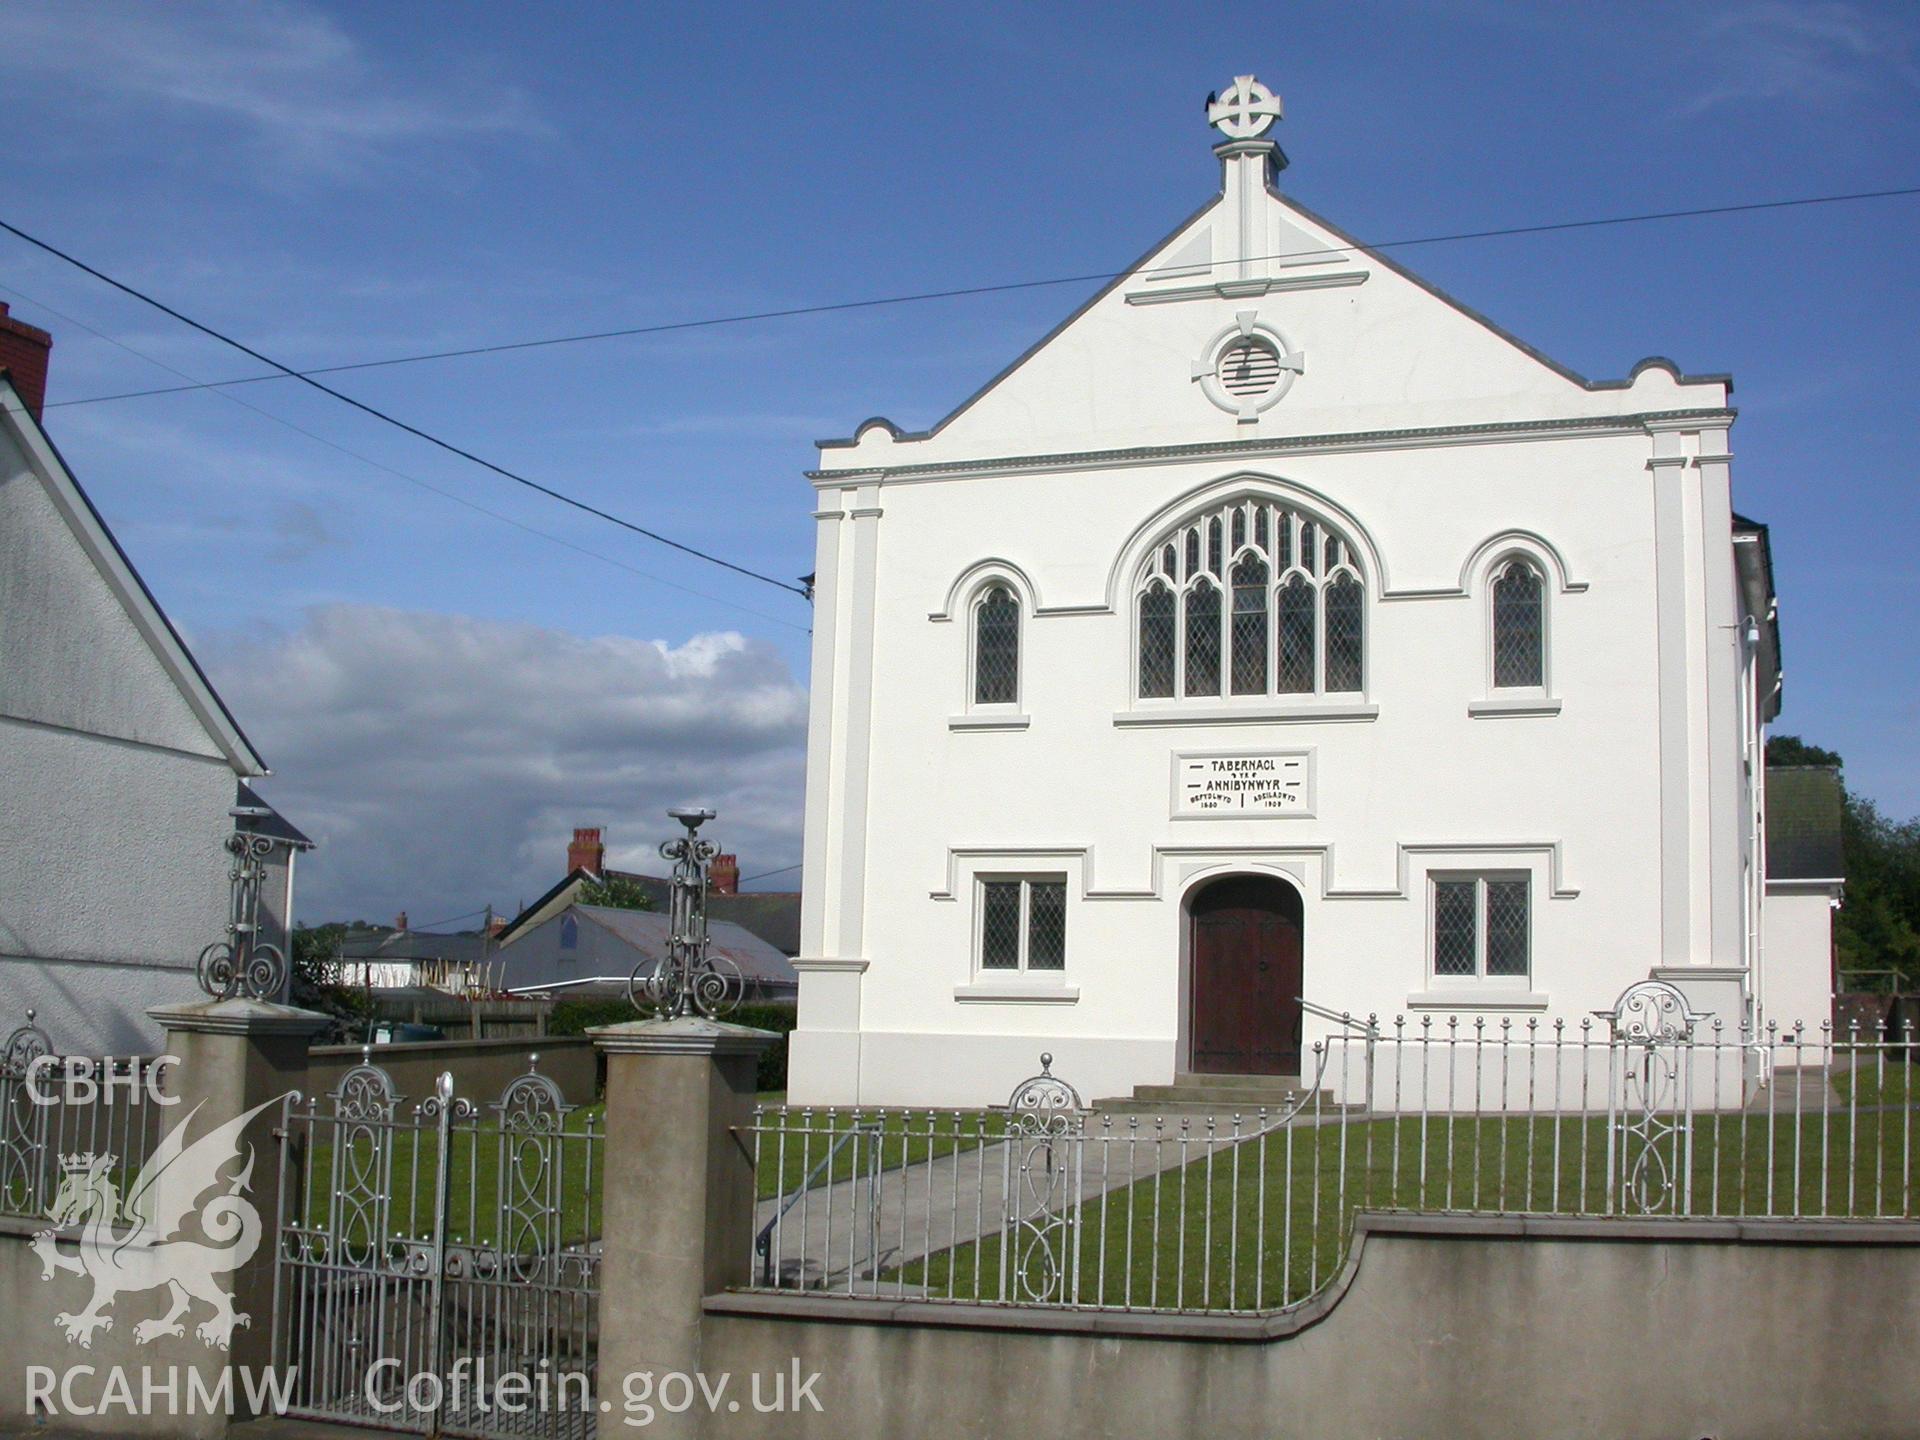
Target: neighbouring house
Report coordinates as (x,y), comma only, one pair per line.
(1277,638)
(592,950)
(122,773)
(772,915)
(1805,884)
(397,957)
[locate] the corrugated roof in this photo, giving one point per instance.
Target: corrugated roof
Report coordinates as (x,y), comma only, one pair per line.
(1804,808)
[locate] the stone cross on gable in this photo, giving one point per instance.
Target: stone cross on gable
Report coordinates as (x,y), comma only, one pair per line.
(1246,110)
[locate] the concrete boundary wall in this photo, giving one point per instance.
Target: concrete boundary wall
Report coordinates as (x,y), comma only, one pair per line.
(1437,1326)
(481,1068)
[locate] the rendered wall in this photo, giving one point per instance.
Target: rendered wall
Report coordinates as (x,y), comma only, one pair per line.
(113,798)
(1797,959)
(1472,1328)
(1437,446)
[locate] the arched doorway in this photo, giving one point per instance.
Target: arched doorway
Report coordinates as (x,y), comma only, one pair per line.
(1244,994)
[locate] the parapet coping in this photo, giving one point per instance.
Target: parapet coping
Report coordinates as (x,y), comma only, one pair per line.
(1279,1324)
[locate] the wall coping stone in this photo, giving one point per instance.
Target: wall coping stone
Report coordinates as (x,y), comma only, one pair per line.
(239,1017)
(685,1035)
(1278,1325)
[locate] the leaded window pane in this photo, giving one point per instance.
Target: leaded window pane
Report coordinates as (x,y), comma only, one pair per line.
(1454,940)
(1344,630)
(1333,555)
(1047,925)
(1169,561)
(1000,925)
(1193,551)
(1507,928)
(1296,637)
(1285,556)
(1260,527)
(1308,550)
(1250,626)
(1214,557)
(1519,615)
(996,649)
(1239,526)
(1157,622)
(1203,640)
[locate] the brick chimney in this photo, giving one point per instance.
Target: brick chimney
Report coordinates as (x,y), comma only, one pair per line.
(586,852)
(400,921)
(723,875)
(23,355)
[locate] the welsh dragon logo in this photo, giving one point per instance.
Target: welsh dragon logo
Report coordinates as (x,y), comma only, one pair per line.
(142,1240)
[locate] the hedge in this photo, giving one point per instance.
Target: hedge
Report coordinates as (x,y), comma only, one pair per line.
(576,1017)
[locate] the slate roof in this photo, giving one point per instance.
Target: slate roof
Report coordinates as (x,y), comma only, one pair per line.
(773,915)
(273,822)
(647,931)
(1804,804)
(381,942)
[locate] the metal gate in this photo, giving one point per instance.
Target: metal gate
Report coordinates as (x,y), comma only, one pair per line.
(438,1266)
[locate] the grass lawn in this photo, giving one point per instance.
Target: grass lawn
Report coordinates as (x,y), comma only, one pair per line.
(1878,1084)
(475,1179)
(1261,1225)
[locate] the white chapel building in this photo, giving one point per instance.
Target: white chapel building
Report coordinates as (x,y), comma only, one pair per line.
(1279,637)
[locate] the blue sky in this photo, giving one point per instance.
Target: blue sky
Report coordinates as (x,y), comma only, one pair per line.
(443,695)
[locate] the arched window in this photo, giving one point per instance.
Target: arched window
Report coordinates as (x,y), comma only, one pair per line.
(1250,599)
(996,647)
(1519,627)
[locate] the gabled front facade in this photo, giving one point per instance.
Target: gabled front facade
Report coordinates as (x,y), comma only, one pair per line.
(118,762)
(1276,630)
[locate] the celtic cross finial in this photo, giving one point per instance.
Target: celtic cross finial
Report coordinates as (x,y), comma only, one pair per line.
(1245,110)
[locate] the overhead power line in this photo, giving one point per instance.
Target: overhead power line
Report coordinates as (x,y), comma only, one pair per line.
(961,292)
(768,874)
(399,474)
(290,373)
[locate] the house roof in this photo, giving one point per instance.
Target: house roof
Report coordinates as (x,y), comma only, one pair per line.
(773,915)
(111,561)
(1805,804)
(647,935)
(273,823)
(382,942)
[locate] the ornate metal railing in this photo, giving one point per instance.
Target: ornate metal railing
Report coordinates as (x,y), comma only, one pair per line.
(53,1105)
(439,1237)
(1645,1109)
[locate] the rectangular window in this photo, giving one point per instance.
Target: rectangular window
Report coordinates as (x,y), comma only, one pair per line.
(1023,923)
(1482,927)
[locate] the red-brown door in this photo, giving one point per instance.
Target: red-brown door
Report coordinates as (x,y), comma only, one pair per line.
(1246,977)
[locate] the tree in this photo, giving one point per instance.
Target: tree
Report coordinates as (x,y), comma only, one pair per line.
(1878,927)
(313,986)
(615,892)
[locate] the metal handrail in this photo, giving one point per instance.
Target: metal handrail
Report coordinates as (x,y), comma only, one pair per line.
(763,1242)
(1369,1026)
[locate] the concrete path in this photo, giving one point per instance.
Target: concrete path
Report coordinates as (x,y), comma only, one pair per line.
(837,1234)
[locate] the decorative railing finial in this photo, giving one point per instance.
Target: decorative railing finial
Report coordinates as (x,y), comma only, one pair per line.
(689,980)
(242,964)
(25,1045)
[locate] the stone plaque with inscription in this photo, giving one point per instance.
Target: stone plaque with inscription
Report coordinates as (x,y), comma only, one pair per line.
(1242,784)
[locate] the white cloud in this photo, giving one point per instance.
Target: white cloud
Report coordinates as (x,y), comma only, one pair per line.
(1813,54)
(441,761)
(276,72)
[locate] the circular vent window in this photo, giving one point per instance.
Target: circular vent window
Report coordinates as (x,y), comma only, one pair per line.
(1249,369)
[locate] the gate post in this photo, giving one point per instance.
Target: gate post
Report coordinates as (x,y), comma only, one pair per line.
(677,1217)
(235,1056)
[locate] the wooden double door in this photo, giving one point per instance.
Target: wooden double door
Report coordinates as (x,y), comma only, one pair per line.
(1244,1015)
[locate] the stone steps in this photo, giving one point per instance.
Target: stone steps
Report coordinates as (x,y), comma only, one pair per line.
(1222,1097)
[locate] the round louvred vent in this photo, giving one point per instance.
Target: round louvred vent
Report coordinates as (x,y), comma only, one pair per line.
(1249,369)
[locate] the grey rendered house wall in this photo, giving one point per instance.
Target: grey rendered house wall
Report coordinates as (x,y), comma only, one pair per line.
(537,959)
(113,798)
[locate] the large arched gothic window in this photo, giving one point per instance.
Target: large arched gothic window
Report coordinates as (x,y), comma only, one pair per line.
(996,647)
(1250,599)
(1519,626)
